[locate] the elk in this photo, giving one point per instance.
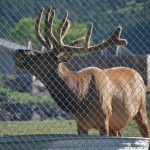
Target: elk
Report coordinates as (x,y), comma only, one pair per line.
(106,100)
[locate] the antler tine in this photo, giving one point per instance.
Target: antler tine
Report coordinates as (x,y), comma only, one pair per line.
(47,39)
(50,30)
(78,41)
(37,28)
(88,37)
(63,28)
(116,37)
(85,40)
(112,41)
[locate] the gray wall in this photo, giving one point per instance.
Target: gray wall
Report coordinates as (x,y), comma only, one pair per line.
(6,62)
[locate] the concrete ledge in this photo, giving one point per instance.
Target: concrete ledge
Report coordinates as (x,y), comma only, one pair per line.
(71,142)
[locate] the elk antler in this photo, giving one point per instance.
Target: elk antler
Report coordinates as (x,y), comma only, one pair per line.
(112,41)
(47,19)
(63,28)
(51,41)
(37,29)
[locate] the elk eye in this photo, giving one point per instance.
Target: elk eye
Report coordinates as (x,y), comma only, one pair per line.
(20,51)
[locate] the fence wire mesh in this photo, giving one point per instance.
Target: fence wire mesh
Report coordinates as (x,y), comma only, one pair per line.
(60,81)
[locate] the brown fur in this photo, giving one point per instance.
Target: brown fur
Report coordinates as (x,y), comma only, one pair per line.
(123,97)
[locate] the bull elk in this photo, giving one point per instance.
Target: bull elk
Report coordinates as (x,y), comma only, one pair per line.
(105,100)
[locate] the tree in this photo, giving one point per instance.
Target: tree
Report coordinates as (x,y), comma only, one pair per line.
(23,31)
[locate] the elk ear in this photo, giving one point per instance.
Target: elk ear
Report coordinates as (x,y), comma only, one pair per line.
(64,57)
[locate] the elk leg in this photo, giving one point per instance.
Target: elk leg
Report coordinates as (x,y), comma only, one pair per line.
(142,121)
(114,133)
(106,113)
(119,133)
(104,130)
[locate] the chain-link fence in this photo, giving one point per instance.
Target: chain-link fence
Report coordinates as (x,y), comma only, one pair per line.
(71,68)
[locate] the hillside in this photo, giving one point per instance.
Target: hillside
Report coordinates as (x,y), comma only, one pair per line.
(133,15)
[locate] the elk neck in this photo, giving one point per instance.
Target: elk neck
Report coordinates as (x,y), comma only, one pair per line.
(55,82)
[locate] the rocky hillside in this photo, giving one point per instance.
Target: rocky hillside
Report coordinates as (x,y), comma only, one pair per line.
(16,111)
